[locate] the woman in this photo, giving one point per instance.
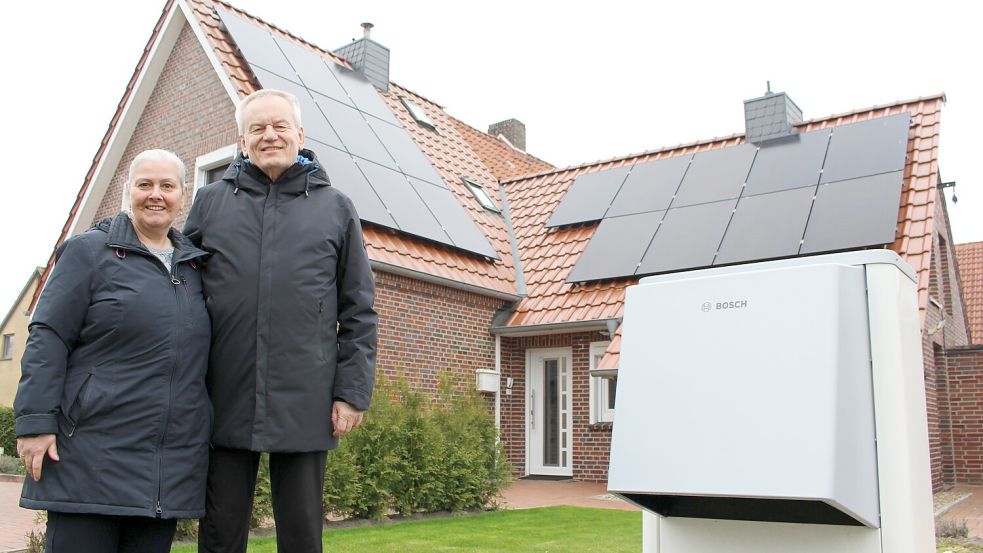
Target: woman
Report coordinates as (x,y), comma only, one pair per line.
(112,416)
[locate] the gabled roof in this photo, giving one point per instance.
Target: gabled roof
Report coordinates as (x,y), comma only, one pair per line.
(35,275)
(969,258)
(452,147)
(548,254)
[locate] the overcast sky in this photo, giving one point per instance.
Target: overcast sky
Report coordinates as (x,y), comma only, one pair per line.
(591,80)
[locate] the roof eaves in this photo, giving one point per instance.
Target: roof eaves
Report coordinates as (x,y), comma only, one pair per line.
(36,274)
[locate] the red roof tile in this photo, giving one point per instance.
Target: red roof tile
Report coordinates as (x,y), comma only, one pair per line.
(969,257)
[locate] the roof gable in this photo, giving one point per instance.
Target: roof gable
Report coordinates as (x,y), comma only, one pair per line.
(969,258)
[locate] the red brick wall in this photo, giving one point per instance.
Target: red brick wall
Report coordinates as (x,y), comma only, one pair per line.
(591,443)
(965,367)
(189,113)
(425,328)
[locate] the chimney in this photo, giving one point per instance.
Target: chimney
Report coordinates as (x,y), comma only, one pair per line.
(771,116)
(512,130)
(369,58)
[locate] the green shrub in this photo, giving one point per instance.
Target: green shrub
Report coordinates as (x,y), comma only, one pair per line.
(947,528)
(263,499)
(8,440)
(11,465)
(187,529)
(413,455)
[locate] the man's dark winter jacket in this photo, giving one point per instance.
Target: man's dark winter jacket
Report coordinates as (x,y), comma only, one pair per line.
(290,291)
(115,367)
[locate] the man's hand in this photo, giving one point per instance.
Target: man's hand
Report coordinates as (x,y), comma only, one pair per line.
(344,417)
(31,450)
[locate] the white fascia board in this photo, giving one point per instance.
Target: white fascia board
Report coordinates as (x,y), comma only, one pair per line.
(123,131)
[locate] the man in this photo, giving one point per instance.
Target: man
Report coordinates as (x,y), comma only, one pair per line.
(289,290)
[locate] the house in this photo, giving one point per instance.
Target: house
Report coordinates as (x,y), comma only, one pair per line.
(13,338)
(970,259)
(470,274)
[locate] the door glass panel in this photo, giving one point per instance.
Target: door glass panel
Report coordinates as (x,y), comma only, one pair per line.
(551,428)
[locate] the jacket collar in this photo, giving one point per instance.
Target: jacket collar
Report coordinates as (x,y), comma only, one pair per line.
(121,234)
(297,179)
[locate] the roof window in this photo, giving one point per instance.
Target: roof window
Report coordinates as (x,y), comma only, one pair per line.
(479,193)
(418,113)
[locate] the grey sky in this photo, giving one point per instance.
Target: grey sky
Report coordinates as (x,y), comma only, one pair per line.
(590,80)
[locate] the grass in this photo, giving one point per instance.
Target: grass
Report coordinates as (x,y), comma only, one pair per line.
(546,530)
(957,545)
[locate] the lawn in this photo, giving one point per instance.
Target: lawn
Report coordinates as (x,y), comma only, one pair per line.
(551,529)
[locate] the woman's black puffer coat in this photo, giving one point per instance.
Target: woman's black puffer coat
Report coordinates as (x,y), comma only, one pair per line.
(115,367)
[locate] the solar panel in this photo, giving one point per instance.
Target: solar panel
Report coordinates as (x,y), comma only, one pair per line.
(406,207)
(256,45)
(616,247)
(455,219)
(854,213)
(867,148)
(363,94)
(405,151)
(793,162)
(354,132)
(767,226)
(313,72)
(715,175)
(314,123)
(650,186)
(688,237)
(588,197)
(347,177)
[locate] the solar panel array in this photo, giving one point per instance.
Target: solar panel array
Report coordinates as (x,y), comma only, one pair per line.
(367,154)
(827,190)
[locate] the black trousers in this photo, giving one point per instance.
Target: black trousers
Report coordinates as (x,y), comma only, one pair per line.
(82,533)
(297,482)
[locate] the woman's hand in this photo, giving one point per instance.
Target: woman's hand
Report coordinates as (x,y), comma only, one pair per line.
(31,450)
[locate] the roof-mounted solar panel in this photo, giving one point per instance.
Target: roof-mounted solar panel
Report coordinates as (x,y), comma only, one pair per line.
(766,226)
(405,152)
(455,219)
(257,45)
(588,197)
(346,176)
(312,119)
(312,70)
(650,186)
(867,148)
(854,213)
(616,247)
(788,163)
(688,238)
(715,175)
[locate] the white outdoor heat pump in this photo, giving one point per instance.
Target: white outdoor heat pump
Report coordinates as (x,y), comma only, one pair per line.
(776,407)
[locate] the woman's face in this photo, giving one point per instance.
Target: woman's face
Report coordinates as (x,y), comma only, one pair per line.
(155,194)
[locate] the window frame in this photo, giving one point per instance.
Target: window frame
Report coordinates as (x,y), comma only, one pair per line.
(205,163)
(7,347)
(418,114)
(600,387)
(479,193)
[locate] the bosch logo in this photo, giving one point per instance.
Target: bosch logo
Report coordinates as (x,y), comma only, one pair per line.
(723,305)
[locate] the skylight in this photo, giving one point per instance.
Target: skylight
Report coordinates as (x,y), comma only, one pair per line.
(480,195)
(417,112)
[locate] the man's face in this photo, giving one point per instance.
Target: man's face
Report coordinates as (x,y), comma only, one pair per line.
(272,138)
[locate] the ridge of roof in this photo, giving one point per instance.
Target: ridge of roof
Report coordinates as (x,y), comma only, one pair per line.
(736,136)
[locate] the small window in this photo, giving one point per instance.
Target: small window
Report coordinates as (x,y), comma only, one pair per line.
(418,113)
(479,193)
(211,166)
(8,347)
(602,390)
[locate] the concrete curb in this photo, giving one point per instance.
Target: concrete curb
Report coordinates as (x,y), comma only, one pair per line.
(18,478)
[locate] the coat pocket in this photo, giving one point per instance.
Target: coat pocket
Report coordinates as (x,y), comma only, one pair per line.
(73,403)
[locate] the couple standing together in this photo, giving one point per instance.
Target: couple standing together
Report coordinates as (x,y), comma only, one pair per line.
(123,370)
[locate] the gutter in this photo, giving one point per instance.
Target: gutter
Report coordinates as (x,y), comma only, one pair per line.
(520,277)
(557,328)
(450,283)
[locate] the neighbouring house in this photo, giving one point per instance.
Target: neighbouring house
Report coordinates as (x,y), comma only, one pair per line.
(472,276)
(963,382)
(13,338)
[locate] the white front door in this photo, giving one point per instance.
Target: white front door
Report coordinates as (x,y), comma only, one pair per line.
(549,416)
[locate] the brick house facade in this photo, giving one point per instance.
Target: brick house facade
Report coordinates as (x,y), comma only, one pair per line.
(443,310)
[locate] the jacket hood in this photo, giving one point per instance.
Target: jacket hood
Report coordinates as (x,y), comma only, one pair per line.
(300,178)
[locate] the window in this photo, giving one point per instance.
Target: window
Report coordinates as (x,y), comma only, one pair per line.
(479,193)
(211,166)
(8,347)
(418,113)
(602,389)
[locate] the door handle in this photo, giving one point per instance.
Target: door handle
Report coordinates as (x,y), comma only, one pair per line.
(532,409)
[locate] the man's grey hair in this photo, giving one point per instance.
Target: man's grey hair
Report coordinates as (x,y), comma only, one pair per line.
(241,108)
(155,155)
